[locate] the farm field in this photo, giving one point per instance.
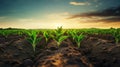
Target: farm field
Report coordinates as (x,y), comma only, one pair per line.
(60,47)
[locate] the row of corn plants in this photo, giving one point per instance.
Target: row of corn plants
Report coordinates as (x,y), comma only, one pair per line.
(59,35)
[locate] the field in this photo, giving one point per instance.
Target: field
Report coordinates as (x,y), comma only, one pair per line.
(60,47)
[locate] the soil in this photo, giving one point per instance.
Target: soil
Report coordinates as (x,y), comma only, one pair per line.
(95,51)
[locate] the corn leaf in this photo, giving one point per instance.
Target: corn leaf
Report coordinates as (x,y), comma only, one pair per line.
(62,38)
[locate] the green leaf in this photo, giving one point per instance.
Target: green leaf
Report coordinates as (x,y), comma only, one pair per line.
(62,38)
(39,39)
(29,40)
(78,38)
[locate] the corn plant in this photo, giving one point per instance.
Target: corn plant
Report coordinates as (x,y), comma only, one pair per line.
(78,38)
(33,39)
(20,33)
(59,37)
(46,35)
(72,33)
(5,33)
(116,34)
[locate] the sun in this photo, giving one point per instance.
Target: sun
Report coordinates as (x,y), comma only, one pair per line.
(58,25)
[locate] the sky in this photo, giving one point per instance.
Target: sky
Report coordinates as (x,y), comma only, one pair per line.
(50,14)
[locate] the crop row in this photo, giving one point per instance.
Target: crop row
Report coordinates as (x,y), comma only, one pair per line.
(59,34)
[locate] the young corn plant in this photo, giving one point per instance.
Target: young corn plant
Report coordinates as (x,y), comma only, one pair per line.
(33,39)
(20,33)
(116,34)
(46,35)
(5,33)
(78,39)
(72,34)
(59,37)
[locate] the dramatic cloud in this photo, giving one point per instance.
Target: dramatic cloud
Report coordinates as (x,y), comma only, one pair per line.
(107,15)
(50,14)
(113,19)
(79,3)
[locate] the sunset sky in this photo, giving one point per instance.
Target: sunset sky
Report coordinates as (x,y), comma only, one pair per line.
(49,14)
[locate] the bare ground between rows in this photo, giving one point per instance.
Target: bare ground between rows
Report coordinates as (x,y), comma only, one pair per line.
(97,51)
(101,50)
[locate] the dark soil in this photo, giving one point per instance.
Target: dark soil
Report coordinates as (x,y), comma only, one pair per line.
(95,51)
(101,50)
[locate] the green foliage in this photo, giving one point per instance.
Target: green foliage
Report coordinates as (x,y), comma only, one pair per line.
(20,33)
(72,33)
(33,39)
(116,34)
(59,36)
(46,35)
(77,38)
(60,39)
(5,34)
(59,30)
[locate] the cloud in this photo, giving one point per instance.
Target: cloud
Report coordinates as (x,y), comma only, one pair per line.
(79,3)
(107,15)
(113,19)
